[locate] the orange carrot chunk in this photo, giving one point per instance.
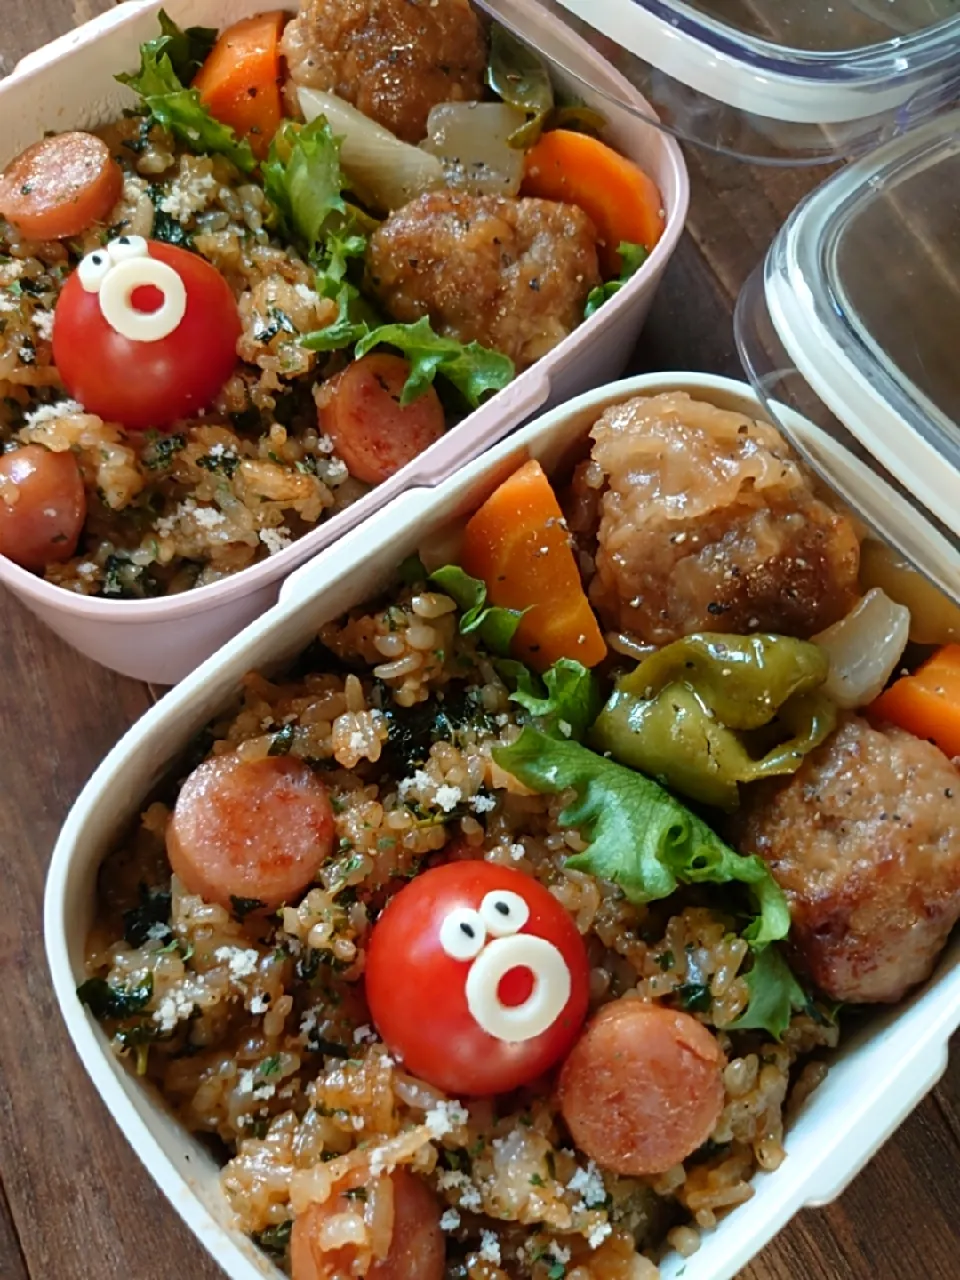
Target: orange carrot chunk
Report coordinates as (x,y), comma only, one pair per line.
(927,704)
(240,81)
(622,201)
(518,544)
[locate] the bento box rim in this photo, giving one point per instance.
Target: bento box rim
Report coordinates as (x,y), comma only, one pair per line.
(880,1102)
(527,388)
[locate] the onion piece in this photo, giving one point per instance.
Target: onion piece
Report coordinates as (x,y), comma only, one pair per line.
(471,141)
(384,172)
(864,649)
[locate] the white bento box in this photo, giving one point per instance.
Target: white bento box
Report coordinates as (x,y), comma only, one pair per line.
(70,84)
(880,1073)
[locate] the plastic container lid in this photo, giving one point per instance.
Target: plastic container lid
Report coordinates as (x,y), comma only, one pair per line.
(801,81)
(853,321)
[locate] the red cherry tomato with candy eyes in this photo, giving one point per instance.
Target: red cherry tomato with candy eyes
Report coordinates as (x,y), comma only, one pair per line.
(477,978)
(145,381)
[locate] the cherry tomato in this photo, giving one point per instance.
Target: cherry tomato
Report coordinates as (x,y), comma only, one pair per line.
(139,382)
(477,978)
(42,506)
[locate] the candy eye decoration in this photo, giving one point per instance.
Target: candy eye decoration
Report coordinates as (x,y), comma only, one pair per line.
(122,275)
(126,247)
(476,978)
(462,934)
(145,333)
(93,270)
(504,913)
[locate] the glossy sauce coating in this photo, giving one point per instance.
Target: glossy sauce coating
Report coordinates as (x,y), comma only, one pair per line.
(513,275)
(250,829)
(708,522)
(392,61)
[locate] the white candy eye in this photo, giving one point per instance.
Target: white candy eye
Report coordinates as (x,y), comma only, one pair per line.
(504,913)
(462,934)
(93,269)
(119,304)
(125,247)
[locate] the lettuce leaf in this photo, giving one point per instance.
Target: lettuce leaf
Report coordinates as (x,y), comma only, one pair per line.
(186,49)
(177,108)
(354,313)
(496,627)
(344,331)
(341,249)
(564,703)
(303,182)
(632,258)
(640,837)
(774,994)
(473,369)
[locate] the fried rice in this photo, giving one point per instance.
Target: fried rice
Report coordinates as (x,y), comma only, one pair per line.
(257,1033)
(230,486)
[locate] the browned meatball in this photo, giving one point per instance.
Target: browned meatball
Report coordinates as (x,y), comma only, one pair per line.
(709,523)
(393,59)
(511,274)
(865,841)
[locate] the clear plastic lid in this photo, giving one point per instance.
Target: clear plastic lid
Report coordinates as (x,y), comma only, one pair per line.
(783,81)
(850,333)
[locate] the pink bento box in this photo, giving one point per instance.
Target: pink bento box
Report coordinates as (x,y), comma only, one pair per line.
(70,84)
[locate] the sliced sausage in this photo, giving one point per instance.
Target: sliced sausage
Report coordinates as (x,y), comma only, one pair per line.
(416,1250)
(256,829)
(371,430)
(60,186)
(42,506)
(642,1088)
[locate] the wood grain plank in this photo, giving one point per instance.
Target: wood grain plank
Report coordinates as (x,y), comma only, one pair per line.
(13,1265)
(82,1206)
(896,1219)
(27,26)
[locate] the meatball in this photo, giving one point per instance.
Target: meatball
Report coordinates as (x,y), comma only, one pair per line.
(864,839)
(393,59)
(707,522)
(510,274)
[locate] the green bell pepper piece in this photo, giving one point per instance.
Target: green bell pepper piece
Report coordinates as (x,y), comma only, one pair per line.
(711,711)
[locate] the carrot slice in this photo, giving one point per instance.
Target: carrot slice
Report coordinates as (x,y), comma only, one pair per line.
(623,202)
(240,81)
(927,704)
(518,544)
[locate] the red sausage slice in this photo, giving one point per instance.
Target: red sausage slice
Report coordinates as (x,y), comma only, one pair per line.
(250,829)
(417,1250)
(42,506)
(371,431)
(60,186)
(642,1088)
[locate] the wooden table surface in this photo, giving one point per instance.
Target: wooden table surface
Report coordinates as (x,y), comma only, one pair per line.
(75,1203)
